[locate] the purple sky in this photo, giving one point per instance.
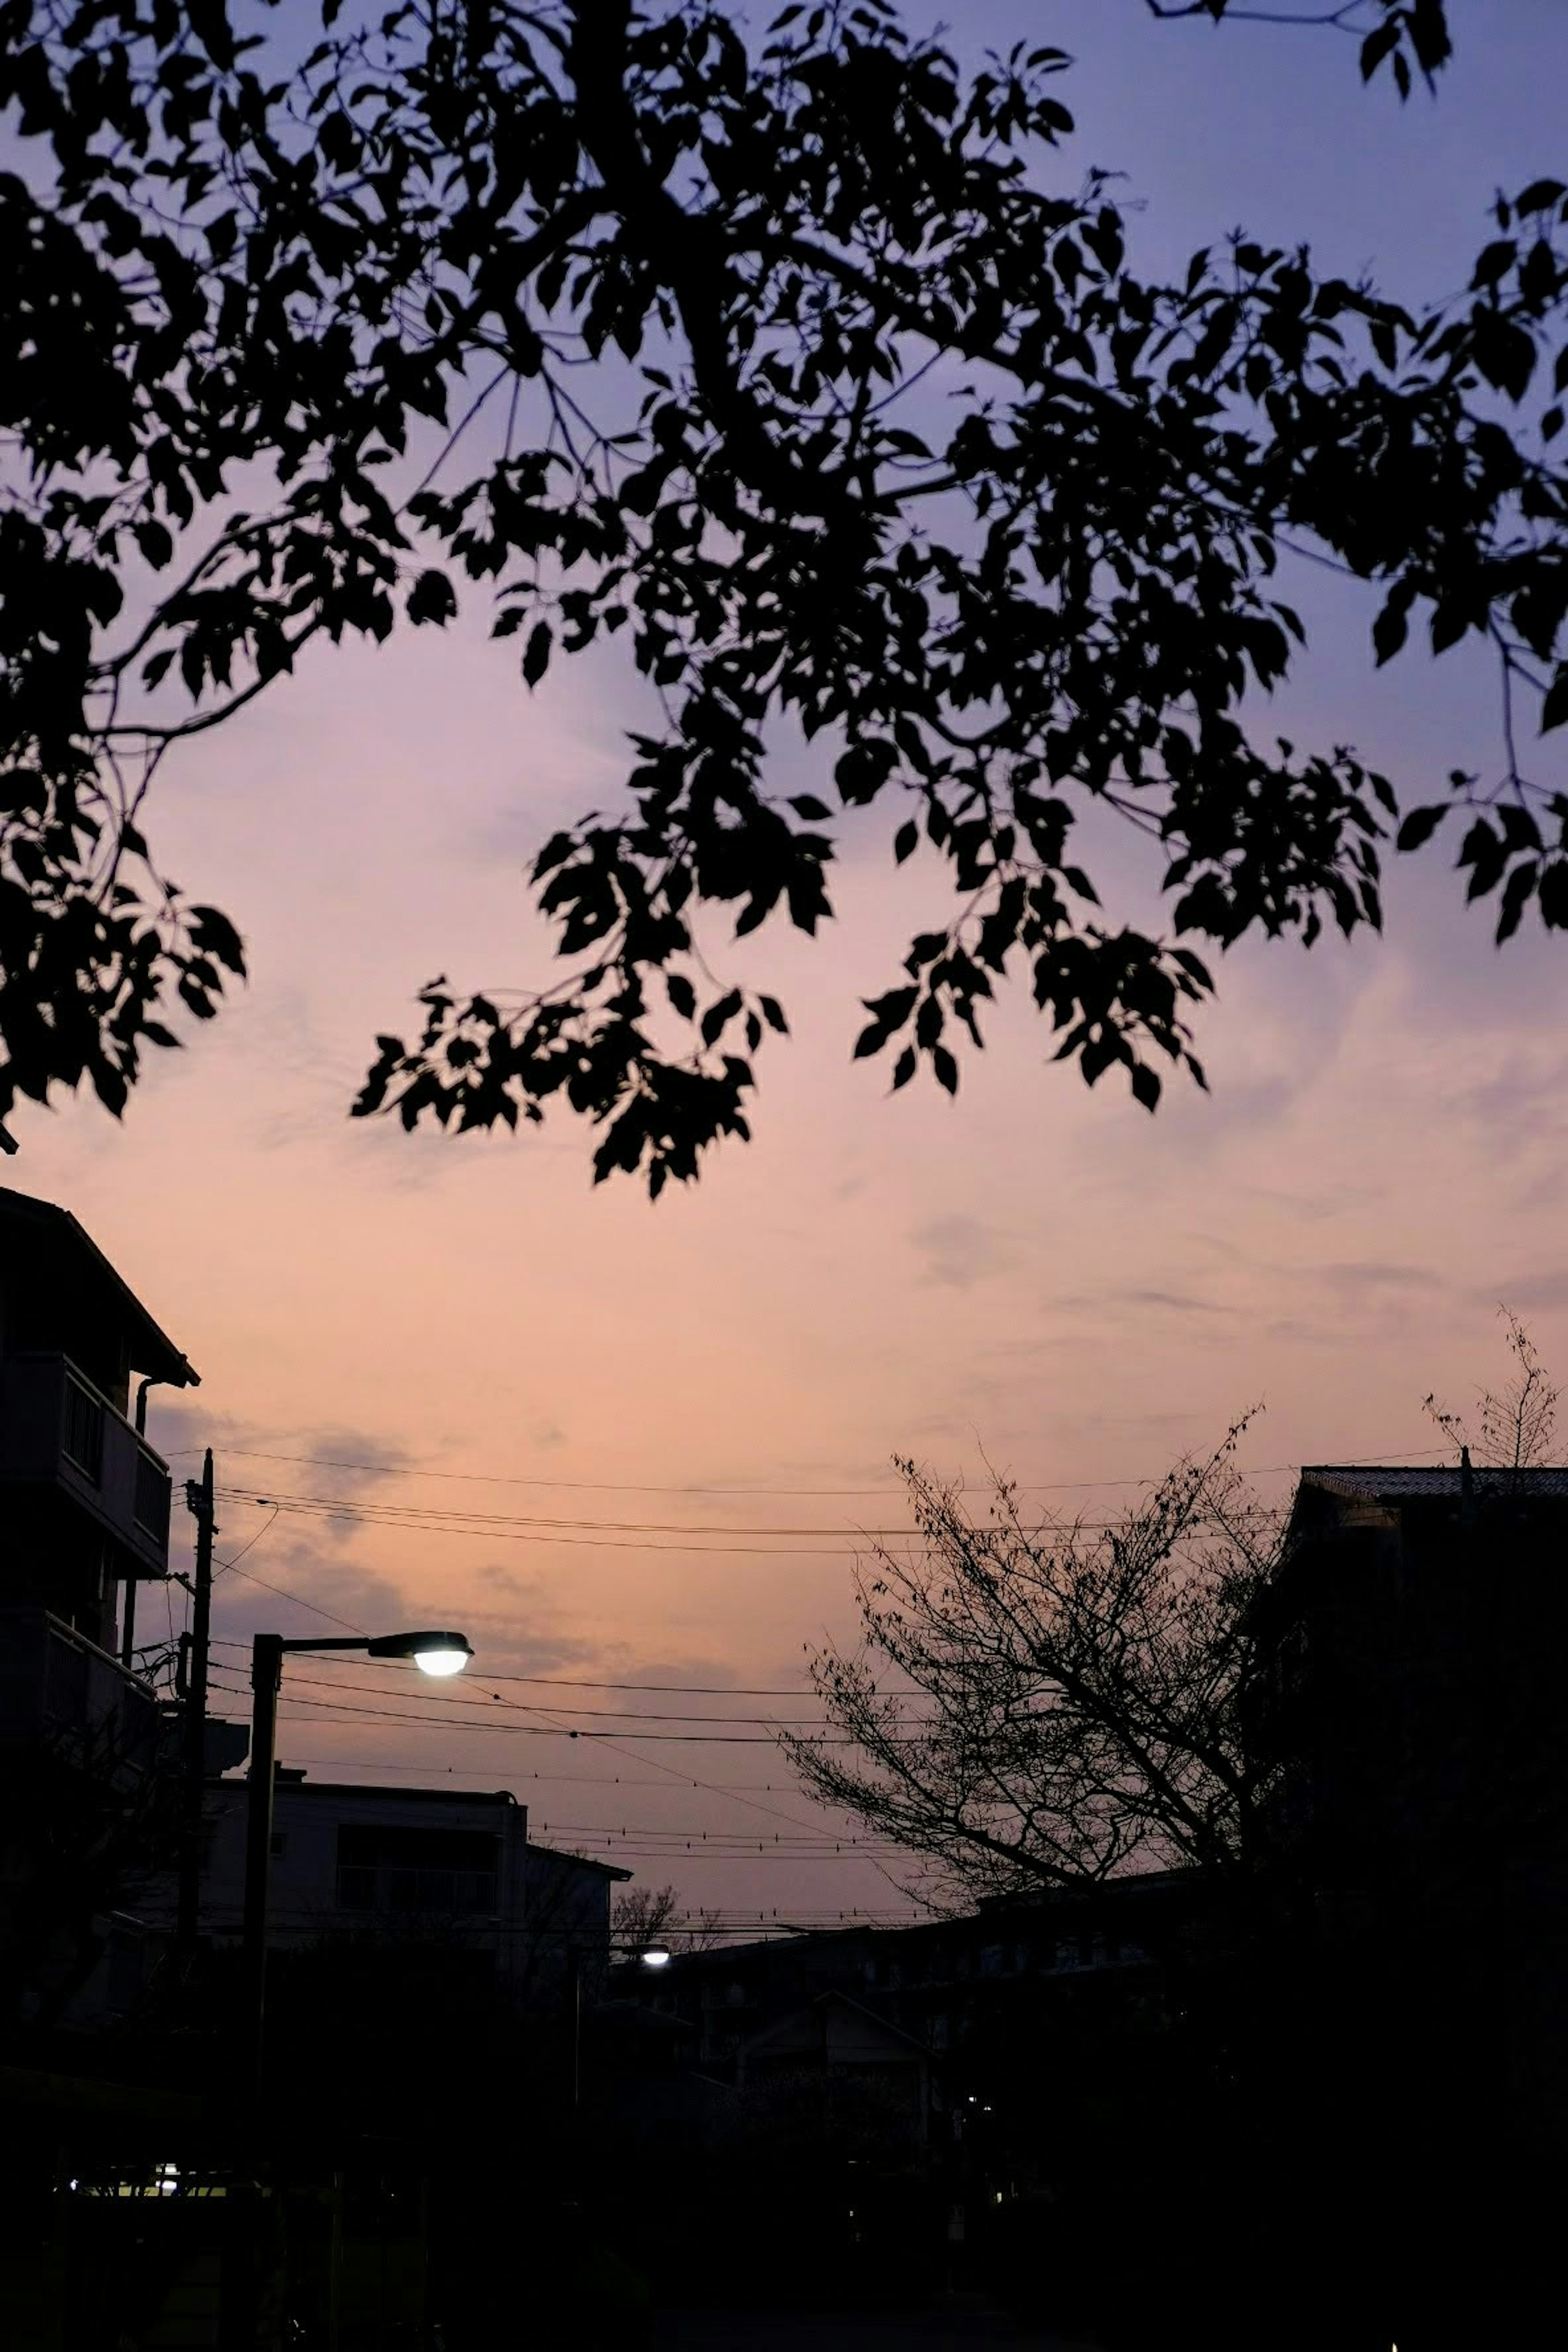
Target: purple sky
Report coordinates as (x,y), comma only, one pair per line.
(1035,1270)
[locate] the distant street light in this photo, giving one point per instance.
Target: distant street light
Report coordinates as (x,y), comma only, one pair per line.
(434,1652)
(650,1956)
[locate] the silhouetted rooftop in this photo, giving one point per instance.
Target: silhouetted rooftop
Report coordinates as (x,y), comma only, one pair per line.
(292,1782)
(58,1252)
(579,1860)
(1381,1482)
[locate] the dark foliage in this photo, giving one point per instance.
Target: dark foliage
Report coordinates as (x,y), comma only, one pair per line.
(792,363)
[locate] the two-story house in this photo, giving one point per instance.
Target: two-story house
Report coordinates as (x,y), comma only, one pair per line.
(84,1500)
(376,1869)
(84,1522)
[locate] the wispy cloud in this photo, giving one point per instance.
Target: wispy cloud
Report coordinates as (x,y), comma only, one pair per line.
(960,1251)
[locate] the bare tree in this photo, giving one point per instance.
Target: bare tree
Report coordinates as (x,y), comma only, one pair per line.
(1516,1423)
(647,1914)
(1050,1705)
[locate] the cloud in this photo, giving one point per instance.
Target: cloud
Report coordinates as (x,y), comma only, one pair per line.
(332,1458)
(1364,1274)
(1177,1302)
(1544,1291)
(960,1251)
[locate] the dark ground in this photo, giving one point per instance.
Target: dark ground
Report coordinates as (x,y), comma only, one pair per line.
(967,2328)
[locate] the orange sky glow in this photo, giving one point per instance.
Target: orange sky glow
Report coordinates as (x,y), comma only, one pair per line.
(1036,1274)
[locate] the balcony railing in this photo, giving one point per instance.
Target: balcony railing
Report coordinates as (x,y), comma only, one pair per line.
(56,1429)
(151,1504)
(81,1432)
(56,1686)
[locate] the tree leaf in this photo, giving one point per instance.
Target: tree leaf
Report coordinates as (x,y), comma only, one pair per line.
(1421,824)
(536,654)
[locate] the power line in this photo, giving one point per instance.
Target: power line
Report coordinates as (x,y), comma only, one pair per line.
(562,1779)
(533,1535)
(638,1486)
(717,1840)
(225,1565)
(422,1514)
(534,1731)
(284,1594)
(767,1923)
(617,1714)
(501,1528)
(581,1682)
(560,1486)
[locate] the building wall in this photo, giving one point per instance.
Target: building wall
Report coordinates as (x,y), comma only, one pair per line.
(325,1881)
(568,1909)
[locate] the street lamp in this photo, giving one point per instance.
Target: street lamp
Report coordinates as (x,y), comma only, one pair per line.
(650,1956)
(434,1652)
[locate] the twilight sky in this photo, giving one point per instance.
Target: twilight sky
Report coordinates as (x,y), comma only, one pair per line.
(1047,1274)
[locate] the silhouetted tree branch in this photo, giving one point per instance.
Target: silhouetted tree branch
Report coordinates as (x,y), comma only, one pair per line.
(801,365)
(1516,1423)
(1397,33)
(647,1914)
(1037,1706)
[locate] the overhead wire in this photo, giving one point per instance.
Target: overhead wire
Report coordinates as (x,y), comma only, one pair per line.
(577,1779)
(627,1535)
(531,1730)
(223,1566)
(619,1713)
(641,1487)
(584,1682)
(768,1922)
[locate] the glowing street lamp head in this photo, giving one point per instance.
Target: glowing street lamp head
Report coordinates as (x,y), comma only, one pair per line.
(654,1956)
(442,1658)
(433,1653)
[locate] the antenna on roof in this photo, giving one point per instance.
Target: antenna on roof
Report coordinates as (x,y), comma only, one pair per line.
(1467,1487)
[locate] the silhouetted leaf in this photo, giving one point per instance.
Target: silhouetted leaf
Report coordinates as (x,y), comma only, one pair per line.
(536,653)
(1421,824)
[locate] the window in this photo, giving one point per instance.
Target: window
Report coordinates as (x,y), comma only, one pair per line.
(396,1868)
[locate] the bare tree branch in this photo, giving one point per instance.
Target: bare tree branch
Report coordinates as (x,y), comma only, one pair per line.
(1031,1706)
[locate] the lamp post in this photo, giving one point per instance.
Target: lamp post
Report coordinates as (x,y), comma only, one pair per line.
(652,1955)
(434,1652)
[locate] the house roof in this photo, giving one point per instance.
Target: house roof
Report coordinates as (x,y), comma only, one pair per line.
(1380,1483)
(779,2028)
(60,1250)
(580,1861)
(290,1788)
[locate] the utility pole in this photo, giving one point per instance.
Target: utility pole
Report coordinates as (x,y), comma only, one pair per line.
(199,1502)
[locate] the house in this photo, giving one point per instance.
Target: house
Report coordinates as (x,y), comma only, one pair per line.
(362,1866)
(836,2036)
(84,1523)
(360,1863)
(84,1500)
(1409,1710)
(963,1987)
(1408,1699)
(568,1920)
